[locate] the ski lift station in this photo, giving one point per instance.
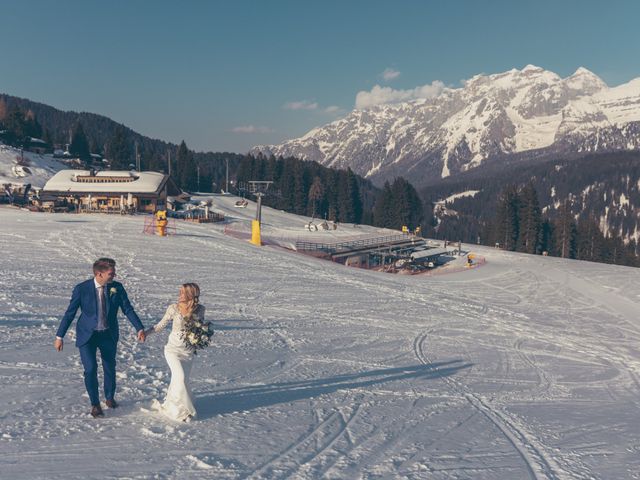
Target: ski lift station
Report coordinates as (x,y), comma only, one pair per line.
(390,253)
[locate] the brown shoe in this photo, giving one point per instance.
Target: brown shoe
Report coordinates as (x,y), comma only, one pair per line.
(111,403)
(96,411)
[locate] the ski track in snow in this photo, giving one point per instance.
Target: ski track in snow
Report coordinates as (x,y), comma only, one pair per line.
(527,368)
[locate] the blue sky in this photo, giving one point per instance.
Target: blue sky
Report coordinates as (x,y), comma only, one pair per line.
(225,76)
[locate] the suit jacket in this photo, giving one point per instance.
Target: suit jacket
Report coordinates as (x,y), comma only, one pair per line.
(85,297)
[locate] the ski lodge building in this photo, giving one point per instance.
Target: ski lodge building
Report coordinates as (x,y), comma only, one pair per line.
(110,191)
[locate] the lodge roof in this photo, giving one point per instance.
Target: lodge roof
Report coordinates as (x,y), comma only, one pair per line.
(114,181)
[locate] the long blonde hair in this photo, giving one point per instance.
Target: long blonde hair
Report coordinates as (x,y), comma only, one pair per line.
(192,297)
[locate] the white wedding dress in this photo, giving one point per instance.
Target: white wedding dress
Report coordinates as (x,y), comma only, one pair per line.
(178,403)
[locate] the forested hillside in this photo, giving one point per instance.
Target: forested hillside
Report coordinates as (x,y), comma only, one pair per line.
(596,193)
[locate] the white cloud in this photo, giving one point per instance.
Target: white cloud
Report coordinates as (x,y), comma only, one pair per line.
(333,110)
(389,74)
(384,95)
(251,129)
(301,105)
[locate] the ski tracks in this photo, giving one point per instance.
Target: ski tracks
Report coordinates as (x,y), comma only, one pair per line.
(316,451)
(538,464)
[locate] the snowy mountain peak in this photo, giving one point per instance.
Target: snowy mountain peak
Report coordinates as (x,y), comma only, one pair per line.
(492,115)
(585,81)
(532,68)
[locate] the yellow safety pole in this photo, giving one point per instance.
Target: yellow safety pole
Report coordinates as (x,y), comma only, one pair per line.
(161,223)
(255,233)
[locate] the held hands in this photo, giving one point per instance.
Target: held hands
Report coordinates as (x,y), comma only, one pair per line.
(58,344)
(142,335)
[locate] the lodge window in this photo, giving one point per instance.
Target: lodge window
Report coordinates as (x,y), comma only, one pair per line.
(93,179)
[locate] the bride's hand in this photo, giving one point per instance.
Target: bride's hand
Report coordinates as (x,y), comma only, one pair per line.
(149,331)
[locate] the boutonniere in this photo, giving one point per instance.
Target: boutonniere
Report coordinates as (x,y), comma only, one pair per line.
(113,291)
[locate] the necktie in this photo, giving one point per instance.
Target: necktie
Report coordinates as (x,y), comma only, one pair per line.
(102,320)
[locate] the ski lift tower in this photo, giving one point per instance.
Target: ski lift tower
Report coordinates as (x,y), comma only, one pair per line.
(259,189)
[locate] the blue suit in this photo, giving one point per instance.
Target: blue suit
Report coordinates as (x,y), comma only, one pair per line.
(88,340)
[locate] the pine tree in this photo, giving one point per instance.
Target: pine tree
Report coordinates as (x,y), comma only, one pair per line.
(407,209)
(590,241)
(46,136)
(331,195)
(300,189)
(383,208)
(506,223)
(547,235)
(349,203)
(316,193)
(187,174)
(353,193)
(119,150)
(32,126)
(16,125)
(565,232)
(79,145)
(530,221)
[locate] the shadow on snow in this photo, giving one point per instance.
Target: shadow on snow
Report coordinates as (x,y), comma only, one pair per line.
(252,397)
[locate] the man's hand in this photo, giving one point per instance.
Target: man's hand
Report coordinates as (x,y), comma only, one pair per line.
(141,335)
(58,344)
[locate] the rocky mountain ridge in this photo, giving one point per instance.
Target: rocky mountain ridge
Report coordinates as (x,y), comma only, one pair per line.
(528,112)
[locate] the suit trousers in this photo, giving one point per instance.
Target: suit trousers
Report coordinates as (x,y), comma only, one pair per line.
(103,341)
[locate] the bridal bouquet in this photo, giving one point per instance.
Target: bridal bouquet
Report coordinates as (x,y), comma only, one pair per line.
(196,334)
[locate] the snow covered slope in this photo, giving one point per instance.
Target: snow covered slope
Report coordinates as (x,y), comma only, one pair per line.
(491,115)
(28,167)
(525,368)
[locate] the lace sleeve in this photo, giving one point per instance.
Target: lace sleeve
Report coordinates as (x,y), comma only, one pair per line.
(162,324)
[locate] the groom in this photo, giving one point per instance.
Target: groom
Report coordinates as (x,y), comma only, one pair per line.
(97,329)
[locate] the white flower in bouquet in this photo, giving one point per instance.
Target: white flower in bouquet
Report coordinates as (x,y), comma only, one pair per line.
(196,334)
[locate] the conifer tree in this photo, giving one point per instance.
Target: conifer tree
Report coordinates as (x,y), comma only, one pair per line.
(32,126)
(530,221)
(300,189)
(353,195)
(46,136)
(119,150)
(407,209)
(590,241)
(331,195)
(286,185)
(244,173)
(547,236)
(383,208)
(316,193)
(349,203)
(16,125)
(186,175)
(79,145)
(506,225)
(565,232)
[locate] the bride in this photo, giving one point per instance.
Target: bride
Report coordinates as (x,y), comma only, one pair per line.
(178,403)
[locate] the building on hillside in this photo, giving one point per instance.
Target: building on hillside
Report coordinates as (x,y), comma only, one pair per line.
(110,190)
(36,145)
